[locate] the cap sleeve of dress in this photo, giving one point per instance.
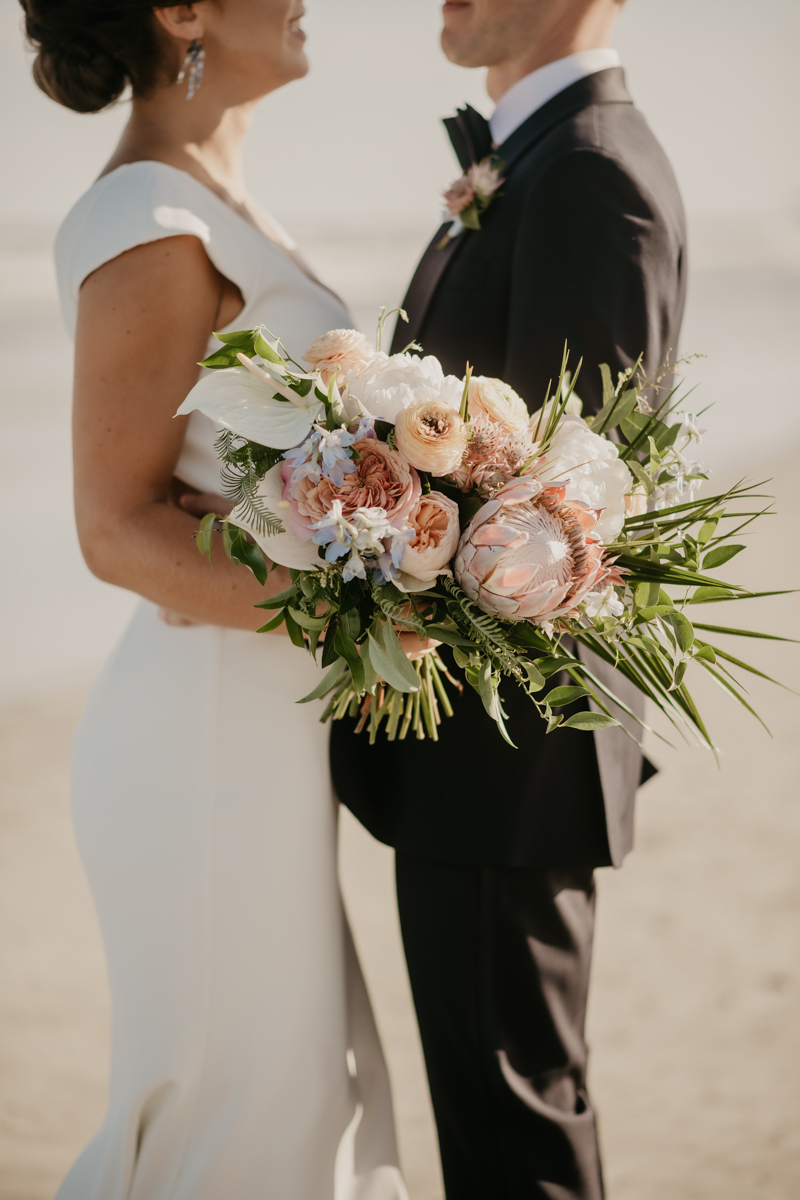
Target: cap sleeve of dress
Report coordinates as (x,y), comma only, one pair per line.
(138,203)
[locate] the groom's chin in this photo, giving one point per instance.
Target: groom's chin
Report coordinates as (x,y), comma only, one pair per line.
(460,38)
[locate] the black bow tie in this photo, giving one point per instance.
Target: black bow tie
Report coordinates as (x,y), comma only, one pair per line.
(470,134)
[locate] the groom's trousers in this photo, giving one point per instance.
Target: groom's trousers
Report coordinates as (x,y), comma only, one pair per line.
(499,959)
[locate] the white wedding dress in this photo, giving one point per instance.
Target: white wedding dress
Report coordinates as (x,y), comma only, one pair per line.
(245,1060)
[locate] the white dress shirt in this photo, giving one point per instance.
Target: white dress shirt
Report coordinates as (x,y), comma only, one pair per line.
(532,91)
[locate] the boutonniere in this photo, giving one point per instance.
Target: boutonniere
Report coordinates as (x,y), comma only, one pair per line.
(469,197)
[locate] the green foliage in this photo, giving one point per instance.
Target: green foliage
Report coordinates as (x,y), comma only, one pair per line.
(244,466)
(242,341)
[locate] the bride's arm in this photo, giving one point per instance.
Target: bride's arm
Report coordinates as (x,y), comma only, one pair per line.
(144,320)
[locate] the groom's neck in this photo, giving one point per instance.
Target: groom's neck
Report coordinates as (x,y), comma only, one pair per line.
(503,75)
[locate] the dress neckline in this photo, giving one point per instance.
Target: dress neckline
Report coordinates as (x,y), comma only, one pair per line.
(282,247)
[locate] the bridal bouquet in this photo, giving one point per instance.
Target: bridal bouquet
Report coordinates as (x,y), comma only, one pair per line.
(404,499)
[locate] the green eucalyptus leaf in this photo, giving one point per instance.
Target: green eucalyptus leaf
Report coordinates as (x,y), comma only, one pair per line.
(684,630)
(589,721)
(549,665)
(204,535)
(273,624)
(647,595)
(702,594)
(350,622)
(280,599)
(240,339)
(536,679)
(371,676)
(329,651)
(349,651)
(461,659)
(707,530)
(263,349)
(642,476)
(450,636)
(565,695)
(328,682)
(657,610)
(220,359)
(294,630)
(635,425)
(307,622)
(615,410)
(720,555)
(243,551)
(666,437)
(389,660)
(680,672)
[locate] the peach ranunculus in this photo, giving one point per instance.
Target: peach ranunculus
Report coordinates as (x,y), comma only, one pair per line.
(431,435)
(436,534)
(339,351)
(498,401)
(382,479)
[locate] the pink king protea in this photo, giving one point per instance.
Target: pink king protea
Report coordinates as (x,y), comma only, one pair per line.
(528,554)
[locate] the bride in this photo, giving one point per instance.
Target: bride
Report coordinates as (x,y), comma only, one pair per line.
(245,1060)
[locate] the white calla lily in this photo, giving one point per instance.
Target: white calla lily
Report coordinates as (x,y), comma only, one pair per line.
(284,548)
(243,402)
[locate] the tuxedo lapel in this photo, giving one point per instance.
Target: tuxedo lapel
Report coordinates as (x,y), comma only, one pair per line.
(604,87)
(422,287)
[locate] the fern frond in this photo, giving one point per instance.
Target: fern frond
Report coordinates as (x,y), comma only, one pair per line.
(244,465)
(484,630)
(397,607)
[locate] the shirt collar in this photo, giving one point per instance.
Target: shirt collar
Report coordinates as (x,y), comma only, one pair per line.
(531,92)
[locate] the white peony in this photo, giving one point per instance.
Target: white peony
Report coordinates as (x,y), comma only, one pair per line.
(389,383)
(595,473)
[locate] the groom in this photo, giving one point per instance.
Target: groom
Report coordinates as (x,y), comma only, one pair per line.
(496,847)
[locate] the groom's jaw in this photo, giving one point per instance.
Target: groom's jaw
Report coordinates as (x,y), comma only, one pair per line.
(464,32)
(514,37)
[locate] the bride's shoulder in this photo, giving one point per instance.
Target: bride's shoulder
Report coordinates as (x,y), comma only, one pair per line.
(135,203)
(132,201)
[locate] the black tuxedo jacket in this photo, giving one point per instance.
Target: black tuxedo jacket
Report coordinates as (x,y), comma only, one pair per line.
(585,244)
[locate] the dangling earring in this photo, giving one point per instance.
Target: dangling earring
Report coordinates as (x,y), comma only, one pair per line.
(193,63)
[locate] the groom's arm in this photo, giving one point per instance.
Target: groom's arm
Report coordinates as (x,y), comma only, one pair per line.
(595,265)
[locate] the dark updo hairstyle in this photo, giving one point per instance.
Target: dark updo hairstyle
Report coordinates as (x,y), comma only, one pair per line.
(90,50)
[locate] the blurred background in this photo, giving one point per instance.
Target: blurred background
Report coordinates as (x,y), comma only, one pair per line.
(694,1011)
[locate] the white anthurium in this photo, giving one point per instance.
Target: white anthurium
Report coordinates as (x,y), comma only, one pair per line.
(283,548)
(244,402)
(274,375)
